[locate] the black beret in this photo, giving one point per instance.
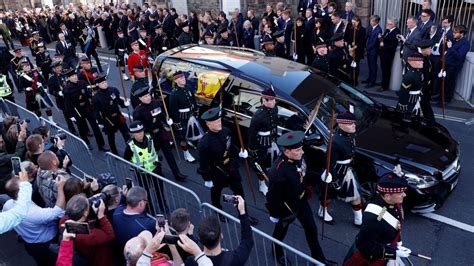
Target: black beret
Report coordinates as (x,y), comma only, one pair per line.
(415,57)
(136,126)
(291,140)
(17,50)
(70,73)
(178,74)
(142,91)
(424,44)
(337,37)
(208,33)
(345,118)
(391,183)
(132,42)
(142,29)
(100,78)
(320,45)
(55,64)
(269,92)
(222,30)
(211,114)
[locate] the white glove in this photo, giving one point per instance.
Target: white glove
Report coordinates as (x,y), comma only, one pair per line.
(243,154)
(442,74)
(38,84)
(353,64)
(399,244)
(403,252)
(101,126)
(169,121)
(398,170)
(149,83)
(91,86)
(60,93)
(29,89)
(326,178)
(208,184)
(295,57)
(127,102)
(73,119)
(274,220)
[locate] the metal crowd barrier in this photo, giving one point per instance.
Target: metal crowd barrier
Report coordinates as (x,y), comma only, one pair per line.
(159,188)
(14,109)
(262,252)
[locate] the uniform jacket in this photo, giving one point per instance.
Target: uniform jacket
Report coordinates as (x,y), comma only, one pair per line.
(107,105)
(181,98)
(265,119)
(77,99)
(343,148)
(151,115)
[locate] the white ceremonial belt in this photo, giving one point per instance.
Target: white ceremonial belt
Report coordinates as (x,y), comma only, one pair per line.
(121,50)
(414,92)
(348,161)
(377,210)
(264,133)
(184,110)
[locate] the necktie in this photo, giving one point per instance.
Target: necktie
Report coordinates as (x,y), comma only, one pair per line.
(65,44)
(408,35)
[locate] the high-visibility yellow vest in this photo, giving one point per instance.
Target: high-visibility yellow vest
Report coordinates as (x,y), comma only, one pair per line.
(144,157)
(5,89)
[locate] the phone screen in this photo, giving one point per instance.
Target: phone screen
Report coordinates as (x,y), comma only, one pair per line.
(16,165)
(170,239)
(160,220)
(88,178)
(129,183)
(77,228)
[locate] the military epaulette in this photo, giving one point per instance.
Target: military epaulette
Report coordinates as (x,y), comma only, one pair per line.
(279,164)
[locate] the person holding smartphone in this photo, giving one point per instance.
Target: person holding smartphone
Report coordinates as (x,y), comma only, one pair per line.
(11,218)
(5,157)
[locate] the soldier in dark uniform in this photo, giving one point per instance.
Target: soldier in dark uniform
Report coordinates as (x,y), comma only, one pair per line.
(224,39)
(159,42)
(56,84)
(379,240)
(43,60)
(186,36)
(121,49)
(287,198)
(218,163)
(262,135)
(339,59)
(321,60)
(87,42)
(182,106)
(88,74)
(78,108)
(280,46)
(141,80)
(410,90)
(36,39)
(107,103)
(149,112)
(425,105)
(344,185)
(268,45)
(16,67)
(34,86)
(144,41)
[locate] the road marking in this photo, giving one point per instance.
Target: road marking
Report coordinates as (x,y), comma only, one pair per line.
(451,118)
(449,221)
(113,59)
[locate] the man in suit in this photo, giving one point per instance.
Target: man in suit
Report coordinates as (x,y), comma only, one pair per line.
(388,47)
(374,32)
(412,37)
(337,25)
(67,50)
(304,5)
(435,57)
(270,14)
(288,28)
(123,24)
(68,35)
(426,5)
(168,24)
(309,28)
(425,24)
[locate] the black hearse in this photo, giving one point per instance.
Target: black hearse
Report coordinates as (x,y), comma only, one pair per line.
(428,154)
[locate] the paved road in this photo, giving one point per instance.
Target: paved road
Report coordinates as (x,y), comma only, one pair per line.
(446,244)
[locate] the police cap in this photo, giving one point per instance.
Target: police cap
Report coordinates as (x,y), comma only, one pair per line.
(136,126)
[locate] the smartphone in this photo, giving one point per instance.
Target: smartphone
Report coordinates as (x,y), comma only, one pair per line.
(89,179)
(170,239)
(16,165)
(77,228)
(230,199)
(160,220)
(128,182)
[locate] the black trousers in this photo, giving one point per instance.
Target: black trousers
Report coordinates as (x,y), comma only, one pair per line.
(161,142)
(305,216)
(233,181)
(425,104)
(40,253)
(82,126)
(386,60)
(450,82)
(110,132)
(96,57)
(70,61)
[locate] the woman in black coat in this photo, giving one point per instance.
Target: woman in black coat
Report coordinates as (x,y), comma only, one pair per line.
(247,35)
(356,29)
(320,33)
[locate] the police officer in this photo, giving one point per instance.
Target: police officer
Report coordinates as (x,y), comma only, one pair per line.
(339,59)
(218,163)
(35,95)
(149,111)
(343,185)
(287,198)
(43,60)
(107,103)
(186,36)
(426,91)
(182,107)
(6,92)
(410,90)
(268,45)
(78,108)
(140,150)
(56,83)
(141,80)
(379,240)
(88,74)
(262,135)
(321,60)
(121,49)
(280,46)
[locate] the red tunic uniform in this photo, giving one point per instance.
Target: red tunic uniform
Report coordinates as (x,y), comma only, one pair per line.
(139,58)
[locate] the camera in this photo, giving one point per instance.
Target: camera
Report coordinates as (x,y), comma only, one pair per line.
(95,200)
(160,220)
(60,135)
(230,199)
(20,122)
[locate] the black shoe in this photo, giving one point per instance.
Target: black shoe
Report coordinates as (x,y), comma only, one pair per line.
(330,262)
(253,220)
(332,222)
(103,149)
(365,81)
(180,177)
(283,261)
(369,85)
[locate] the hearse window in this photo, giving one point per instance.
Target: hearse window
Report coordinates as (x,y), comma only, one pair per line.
(246,102)
(205,81)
